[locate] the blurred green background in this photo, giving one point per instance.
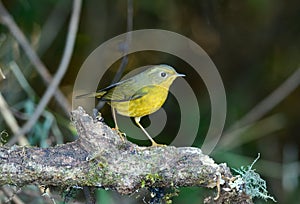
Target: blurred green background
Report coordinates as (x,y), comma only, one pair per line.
(255,44)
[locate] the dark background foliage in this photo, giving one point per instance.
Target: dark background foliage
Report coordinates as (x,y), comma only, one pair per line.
(254,44)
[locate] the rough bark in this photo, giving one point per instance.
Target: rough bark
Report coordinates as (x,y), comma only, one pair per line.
(100,158)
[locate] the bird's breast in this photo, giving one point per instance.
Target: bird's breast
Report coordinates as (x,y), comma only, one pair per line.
(145,105)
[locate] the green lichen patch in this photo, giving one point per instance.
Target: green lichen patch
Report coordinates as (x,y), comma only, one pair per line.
(255,186)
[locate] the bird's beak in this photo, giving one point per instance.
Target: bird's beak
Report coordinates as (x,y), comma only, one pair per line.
(180,75)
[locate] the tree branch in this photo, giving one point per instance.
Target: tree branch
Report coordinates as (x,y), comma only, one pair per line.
(100,158)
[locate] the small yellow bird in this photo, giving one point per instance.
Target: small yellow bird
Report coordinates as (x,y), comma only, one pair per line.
(139,95)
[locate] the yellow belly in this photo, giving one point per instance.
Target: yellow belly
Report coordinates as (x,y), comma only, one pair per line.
(145,105)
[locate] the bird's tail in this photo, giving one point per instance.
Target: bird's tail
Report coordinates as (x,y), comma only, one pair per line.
(91,95)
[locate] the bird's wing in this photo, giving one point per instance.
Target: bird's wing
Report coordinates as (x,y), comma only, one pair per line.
(118,92)
(108,93)
(126,90)
(126,94)
(142,92)
(110,87)
(100,93)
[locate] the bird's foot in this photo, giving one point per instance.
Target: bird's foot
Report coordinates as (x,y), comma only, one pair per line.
(154,144)
(121,134)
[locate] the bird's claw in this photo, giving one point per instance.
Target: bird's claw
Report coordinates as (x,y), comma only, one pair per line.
(121,134)
(154,144)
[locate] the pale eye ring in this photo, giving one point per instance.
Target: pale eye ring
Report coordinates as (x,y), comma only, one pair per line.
(163,74)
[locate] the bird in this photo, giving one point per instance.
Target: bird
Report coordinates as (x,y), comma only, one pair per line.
(139,95)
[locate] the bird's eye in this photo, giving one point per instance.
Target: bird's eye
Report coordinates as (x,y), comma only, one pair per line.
(163,74)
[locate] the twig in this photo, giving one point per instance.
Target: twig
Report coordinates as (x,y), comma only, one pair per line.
(59,74)
(22,80)
(7,20)
(124,48)
(2,75)
(271,100)
(100,158)
(127,43)
(53,24)
(11,196)
(11,121)
(264,106)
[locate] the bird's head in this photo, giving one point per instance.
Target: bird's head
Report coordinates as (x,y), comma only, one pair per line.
(162,75)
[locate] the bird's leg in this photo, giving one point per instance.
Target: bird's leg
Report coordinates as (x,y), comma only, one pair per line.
(137,121)
(121,134)
(115,118)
